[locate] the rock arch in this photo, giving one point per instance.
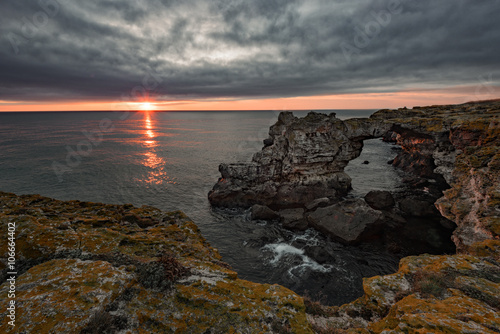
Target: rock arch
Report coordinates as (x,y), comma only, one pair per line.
(302,160)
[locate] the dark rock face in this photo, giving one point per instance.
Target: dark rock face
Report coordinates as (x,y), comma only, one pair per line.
(418,207)
(380,200)
(303,160)
(462,143)
(261,212)
(318,203)
(416,156)
(349,221)
(293,219)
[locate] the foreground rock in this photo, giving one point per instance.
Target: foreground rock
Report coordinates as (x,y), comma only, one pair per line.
(380,200)
(429,294)
(95,268)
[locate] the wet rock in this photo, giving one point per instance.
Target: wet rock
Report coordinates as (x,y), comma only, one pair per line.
(380,200)
(317,203)
(418,207)
(261,212)
(318,254)
(349,221)
(293,219)
(268,142)
(393,217)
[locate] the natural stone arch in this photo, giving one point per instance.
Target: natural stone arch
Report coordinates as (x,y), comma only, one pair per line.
(302,160)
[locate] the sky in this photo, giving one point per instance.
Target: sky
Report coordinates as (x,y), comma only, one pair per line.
(246,54)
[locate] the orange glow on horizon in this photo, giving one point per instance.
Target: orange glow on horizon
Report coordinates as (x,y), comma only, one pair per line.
(409,98)
(146,106)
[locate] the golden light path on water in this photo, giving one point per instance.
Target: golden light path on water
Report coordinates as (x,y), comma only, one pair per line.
(157,174)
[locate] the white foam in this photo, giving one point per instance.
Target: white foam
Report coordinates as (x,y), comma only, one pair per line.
(282,250)
(310,237)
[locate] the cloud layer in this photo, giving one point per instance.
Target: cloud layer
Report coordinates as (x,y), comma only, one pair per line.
(233,49)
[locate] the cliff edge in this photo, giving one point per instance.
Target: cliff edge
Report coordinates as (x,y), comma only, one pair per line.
(96,268)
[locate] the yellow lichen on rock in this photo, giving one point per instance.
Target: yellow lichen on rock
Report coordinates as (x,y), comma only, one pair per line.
(456,314)
(59,296)
(89,267)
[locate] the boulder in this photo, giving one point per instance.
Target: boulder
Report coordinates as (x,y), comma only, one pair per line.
(317,203)
(293,219)
(261,212)
(318,253)
(380,200)
(349,221)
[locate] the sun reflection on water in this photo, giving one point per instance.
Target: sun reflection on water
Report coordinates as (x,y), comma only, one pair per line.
(157,174)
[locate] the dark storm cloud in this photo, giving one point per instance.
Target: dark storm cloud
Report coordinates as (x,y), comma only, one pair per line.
(53,50)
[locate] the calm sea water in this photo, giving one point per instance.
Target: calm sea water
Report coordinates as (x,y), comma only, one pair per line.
(170,160)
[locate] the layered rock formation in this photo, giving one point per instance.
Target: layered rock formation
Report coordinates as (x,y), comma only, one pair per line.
(456,147)
(95,268)
(303,160)
(462,144)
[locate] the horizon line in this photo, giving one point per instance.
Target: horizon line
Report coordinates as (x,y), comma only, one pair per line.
(180,110)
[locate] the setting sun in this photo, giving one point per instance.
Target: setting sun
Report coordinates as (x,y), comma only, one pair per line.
(146,106)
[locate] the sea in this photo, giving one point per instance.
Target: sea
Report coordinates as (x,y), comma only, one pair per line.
(170,160)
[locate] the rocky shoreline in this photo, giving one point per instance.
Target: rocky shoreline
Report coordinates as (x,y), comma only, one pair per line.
(453,155)
(89,267)
(299,175)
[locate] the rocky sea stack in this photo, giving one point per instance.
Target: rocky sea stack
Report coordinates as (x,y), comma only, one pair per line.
(302,160)
(97,268)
